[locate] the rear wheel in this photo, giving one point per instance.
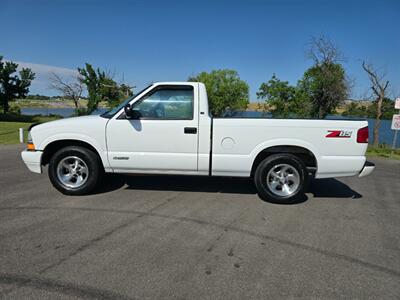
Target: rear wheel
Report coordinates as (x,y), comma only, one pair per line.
(281,178)
(75,170)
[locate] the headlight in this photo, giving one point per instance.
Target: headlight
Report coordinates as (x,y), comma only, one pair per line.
(30,145)
(29,138)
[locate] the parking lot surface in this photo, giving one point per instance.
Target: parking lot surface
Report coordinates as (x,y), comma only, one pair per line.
(173,237)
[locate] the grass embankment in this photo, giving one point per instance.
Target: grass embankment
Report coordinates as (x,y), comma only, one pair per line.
(383,151)
(44,103)
(10,124)
(51,103)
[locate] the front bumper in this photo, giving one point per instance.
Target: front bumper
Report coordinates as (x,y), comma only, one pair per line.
(32,160)
(367,169)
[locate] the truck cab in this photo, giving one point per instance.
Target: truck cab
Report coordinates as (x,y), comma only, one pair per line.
(164,130)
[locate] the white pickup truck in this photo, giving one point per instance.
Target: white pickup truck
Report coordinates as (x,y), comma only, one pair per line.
(167,129)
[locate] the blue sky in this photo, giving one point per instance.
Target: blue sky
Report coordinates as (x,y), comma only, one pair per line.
(170,40)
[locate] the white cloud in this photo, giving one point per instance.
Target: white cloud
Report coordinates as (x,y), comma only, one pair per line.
(45,70)
(40,85)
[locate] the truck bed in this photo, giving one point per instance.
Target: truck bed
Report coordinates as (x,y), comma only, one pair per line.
(237,141)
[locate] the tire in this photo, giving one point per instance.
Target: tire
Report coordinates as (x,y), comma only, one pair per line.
(75,170)
(273,186)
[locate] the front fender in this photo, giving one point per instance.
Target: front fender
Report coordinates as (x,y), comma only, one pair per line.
(101,149)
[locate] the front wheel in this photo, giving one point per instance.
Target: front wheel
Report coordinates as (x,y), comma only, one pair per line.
(74,170)
(281,178)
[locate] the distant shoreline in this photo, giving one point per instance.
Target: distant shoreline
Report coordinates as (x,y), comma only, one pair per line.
(53,103)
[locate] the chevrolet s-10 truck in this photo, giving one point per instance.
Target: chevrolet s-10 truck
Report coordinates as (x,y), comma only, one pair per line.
(167,129)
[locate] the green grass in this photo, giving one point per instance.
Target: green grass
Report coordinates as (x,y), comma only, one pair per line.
(10,124)
(9,132)
(27,119)
(383,151)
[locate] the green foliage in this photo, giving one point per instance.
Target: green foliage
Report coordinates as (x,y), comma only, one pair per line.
(388,109)
(359,110)
(225,90)
(12,85)
(125,90)
(318,93)
(109,91)
(93,81)
(326,87)
(354,109)
(39,97)
(15,109)
(101,87)
(284,100)
(80,112)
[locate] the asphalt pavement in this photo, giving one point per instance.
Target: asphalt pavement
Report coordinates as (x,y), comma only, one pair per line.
(174,237)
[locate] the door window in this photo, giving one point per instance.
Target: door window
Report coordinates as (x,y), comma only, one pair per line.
(167,103)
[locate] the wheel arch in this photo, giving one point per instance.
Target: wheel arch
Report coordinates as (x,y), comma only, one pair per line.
(56,145)
(303,153)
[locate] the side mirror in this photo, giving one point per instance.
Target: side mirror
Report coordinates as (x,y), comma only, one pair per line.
(131,113)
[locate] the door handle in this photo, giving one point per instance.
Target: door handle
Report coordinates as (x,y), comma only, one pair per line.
(190,130)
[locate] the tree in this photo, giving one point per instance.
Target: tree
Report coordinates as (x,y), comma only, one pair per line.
(323,50)
(114,93)
(109,90)
(102,87)
(225,90)
(70,89)
(126,90)
(92,80)
(12,85)
(387,108)
(326,87)
(284,100)
(354,109)
(319,92)
(379,87)
(325,82)
(38,97)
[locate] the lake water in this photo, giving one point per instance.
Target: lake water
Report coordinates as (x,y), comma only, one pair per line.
(386,134)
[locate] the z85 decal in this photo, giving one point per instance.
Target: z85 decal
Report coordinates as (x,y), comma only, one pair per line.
(338,134)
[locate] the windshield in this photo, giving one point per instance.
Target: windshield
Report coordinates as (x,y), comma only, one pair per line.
(113,111)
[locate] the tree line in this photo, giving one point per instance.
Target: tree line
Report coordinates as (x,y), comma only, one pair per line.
(368,110)
(323,87)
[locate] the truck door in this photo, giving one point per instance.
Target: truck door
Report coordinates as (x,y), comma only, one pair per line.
(164,138)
